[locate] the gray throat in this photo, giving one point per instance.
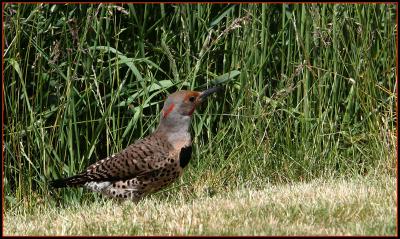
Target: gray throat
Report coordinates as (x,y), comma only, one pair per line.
(176,132)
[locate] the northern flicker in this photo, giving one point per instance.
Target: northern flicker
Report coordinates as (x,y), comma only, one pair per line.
(151,163)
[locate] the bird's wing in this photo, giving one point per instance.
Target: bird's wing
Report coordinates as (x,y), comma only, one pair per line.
(139,158)
(142,157)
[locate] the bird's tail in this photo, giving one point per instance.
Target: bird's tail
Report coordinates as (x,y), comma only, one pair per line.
(74,181)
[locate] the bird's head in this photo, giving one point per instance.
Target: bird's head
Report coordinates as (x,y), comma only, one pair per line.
(179,106)
(183,103)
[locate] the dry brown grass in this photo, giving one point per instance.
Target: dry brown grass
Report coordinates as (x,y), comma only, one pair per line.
(363,206)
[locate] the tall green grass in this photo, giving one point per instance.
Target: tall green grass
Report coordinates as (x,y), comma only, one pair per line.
(309,90)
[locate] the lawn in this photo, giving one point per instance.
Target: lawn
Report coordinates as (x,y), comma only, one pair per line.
(362,206)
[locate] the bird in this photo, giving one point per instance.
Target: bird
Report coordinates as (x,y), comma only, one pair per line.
(151,163)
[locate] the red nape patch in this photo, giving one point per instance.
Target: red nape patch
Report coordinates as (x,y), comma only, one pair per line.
(170,108)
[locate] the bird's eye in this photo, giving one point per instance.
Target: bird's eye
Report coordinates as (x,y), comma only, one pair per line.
(192,98)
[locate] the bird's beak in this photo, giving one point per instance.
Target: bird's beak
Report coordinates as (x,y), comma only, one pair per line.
(204,94)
